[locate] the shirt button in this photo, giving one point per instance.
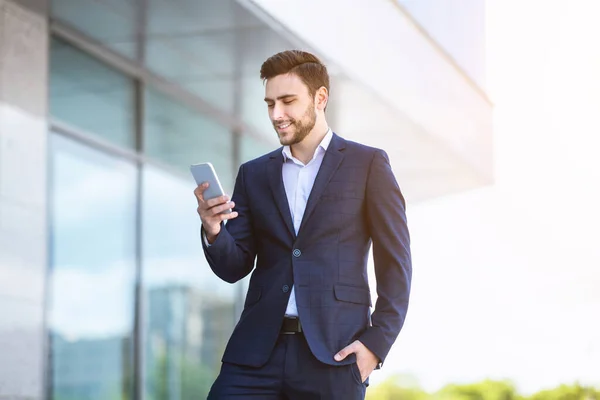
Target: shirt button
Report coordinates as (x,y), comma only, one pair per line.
(285,288)
(297,253)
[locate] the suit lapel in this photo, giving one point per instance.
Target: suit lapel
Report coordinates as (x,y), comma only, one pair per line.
(278,190)
(331,161)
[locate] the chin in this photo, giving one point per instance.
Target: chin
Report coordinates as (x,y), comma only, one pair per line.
(287,140)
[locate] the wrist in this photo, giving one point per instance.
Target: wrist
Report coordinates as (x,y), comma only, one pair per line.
(211,236)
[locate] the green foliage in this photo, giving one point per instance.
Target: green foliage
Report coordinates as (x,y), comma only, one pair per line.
(394,388)
(568,392)
(486,390)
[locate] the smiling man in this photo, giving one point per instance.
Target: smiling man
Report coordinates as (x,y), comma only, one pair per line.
(307,214)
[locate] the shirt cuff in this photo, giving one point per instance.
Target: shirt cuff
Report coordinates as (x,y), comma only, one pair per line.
(205,239)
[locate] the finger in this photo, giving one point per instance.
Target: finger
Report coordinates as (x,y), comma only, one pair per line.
(344,353)
(204,212)
(220,208)
(199,191)
(231,215)
(217,201)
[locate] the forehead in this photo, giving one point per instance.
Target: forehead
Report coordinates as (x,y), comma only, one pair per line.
(288,84)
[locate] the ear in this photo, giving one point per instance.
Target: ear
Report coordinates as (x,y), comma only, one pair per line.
(321,98)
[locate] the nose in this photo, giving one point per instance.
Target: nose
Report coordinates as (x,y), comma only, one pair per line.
(277,113)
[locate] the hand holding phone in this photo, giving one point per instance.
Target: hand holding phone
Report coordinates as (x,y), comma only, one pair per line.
(213,205)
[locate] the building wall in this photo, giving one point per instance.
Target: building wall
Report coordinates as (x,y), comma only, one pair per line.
(458,27)
(23,238)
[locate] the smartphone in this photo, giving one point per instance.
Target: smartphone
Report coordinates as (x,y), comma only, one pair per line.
(205,172)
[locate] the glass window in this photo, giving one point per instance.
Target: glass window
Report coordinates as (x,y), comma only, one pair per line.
(91,96)
(251,148)
(213,49)
(179,136)
(110,22)
(193,43)
(203,65)
(257,45)
(92,277)
(254,111)
(189,312)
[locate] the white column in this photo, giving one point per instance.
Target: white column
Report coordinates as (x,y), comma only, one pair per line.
(23,199)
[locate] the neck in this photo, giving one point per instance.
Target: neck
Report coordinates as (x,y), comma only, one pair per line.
(305,150)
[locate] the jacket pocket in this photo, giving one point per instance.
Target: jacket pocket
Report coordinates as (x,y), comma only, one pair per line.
(352,294)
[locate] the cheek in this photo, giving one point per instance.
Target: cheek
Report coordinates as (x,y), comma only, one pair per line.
(296,112)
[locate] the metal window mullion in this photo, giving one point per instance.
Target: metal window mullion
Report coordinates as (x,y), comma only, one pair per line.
(138,332)
(48,366)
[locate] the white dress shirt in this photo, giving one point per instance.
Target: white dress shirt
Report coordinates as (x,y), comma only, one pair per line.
(298,180)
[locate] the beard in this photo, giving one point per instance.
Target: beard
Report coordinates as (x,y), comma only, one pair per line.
(301,128)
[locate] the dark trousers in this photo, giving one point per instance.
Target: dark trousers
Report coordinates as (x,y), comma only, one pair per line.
(292,373)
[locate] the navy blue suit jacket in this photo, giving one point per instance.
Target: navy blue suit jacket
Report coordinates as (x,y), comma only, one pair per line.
(355,202)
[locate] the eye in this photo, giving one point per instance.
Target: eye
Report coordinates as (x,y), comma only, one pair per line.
(270,105)
(288,102)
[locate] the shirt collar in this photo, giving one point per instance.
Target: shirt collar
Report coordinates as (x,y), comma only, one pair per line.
(287,152)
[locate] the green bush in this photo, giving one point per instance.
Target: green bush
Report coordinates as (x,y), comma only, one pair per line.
(396,388)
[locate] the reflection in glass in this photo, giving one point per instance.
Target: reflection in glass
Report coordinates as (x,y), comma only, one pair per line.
(189,312)
(184,61)
(91,96)
(179,136)
(254,111)
(92,275)
(193,43)
(251,148)
(256,46)
(110,22)
(213,49)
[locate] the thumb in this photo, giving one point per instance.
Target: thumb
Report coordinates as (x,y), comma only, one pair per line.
(343,353)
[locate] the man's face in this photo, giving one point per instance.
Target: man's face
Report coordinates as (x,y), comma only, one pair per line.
(291,108)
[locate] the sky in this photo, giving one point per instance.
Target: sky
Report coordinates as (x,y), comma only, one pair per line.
(506,277)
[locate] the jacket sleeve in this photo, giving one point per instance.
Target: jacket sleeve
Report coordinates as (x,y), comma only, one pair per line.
(232,255)
(386,219)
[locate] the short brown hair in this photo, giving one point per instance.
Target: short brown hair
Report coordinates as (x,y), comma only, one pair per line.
(305,65)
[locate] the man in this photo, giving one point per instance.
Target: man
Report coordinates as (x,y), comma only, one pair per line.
(308,213)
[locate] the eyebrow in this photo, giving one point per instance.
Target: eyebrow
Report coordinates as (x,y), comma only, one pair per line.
(285,96)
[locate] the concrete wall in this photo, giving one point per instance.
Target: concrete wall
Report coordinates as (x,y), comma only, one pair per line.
(458,26)
(23,199)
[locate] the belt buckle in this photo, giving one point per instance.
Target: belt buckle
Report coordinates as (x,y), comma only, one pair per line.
(297,328)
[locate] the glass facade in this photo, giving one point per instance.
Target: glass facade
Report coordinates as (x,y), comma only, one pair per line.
(91,96)
(93,269)
(111,22)
(135,311)
(188,312)
(179,136)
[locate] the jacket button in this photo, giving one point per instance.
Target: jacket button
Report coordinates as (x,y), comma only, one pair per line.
(297,253)
(285,288)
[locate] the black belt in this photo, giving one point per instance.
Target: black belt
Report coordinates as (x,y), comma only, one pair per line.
(290,326)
